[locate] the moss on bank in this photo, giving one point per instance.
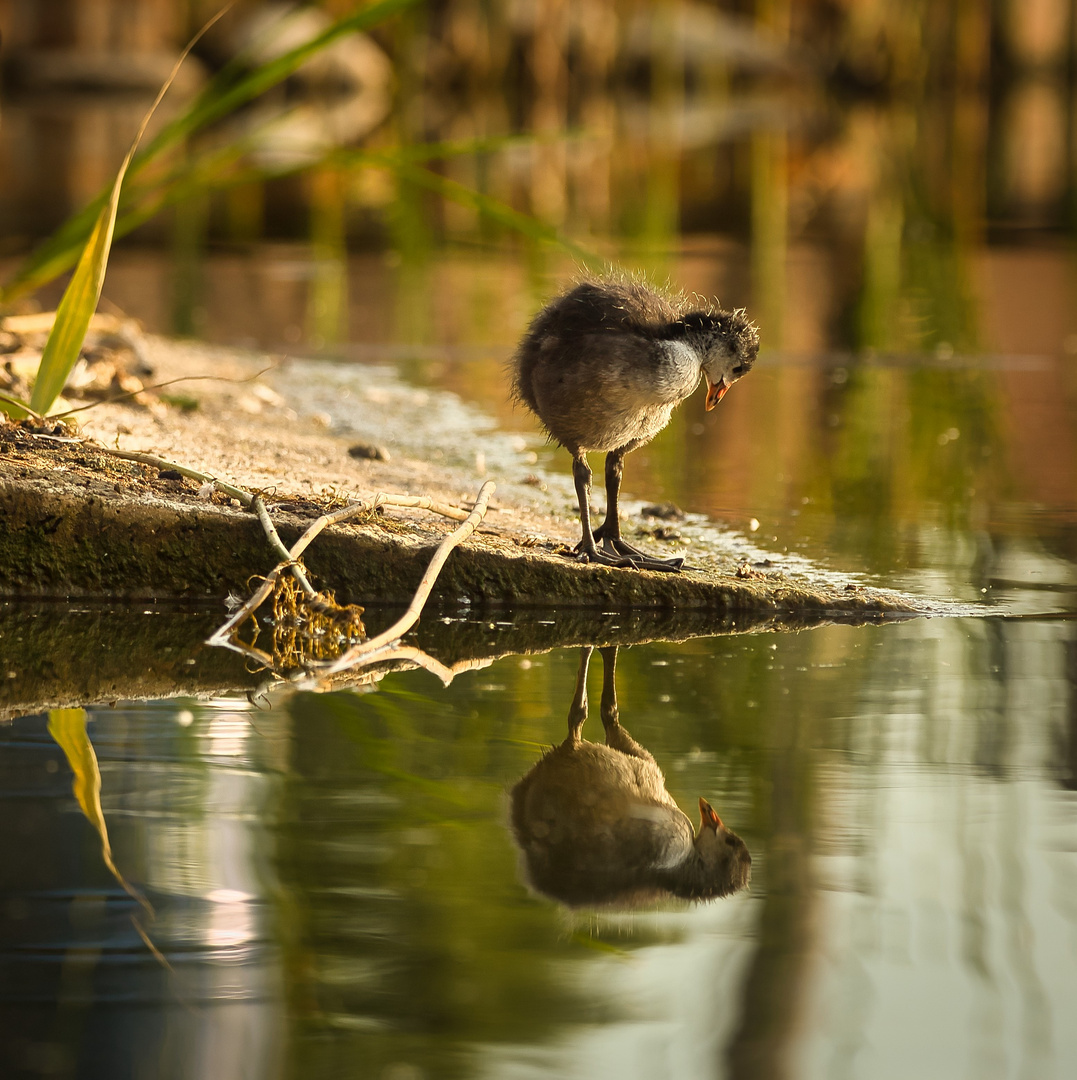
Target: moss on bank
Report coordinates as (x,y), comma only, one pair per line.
(64,533)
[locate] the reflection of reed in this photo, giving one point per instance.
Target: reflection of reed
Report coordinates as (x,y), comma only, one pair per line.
(327,313)
(770,199)
(775,995)
(1033,164)
(549,73)
(1068,738)
(770,216)
(189,227)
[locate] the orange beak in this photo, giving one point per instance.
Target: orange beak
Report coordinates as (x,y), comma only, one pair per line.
(707,816)
(715,392)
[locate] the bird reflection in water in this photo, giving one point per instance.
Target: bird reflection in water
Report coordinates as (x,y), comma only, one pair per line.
(596,826)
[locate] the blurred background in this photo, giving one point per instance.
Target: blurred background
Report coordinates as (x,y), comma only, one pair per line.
(867,174)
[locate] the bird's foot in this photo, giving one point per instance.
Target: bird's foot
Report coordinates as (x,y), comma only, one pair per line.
(622,547)
(618,552)
(599,556)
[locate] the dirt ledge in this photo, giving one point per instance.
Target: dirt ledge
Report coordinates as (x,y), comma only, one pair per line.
(76,522)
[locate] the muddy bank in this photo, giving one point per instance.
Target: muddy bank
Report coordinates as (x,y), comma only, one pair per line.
(76,522)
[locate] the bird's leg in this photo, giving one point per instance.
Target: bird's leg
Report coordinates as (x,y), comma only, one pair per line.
(587,549)
(610,529)
(609,532)
(577,712)
(616,736)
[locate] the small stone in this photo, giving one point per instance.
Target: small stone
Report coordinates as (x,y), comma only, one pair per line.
(368,452)
(267,395)
(746,570)
(667,511)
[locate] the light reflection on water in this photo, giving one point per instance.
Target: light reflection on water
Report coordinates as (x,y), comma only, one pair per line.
(337,891)
(81,993)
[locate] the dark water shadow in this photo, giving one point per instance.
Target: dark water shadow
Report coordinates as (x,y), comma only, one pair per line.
(59,655)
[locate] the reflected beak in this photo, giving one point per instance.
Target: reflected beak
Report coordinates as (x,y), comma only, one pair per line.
(707,816)
(715,392)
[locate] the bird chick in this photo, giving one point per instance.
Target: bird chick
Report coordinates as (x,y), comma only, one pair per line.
(604,365)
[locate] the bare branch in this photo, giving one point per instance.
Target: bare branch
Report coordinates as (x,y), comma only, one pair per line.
(410,617)
(259,507)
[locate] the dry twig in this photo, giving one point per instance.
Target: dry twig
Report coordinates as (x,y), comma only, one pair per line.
(383,647)
(356,509)
(259,507)
(355,655)
(244,497)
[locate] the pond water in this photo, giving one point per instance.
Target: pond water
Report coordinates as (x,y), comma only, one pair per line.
(336,889)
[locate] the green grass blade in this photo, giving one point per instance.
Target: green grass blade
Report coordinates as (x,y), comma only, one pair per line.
(14,407)
(75,310)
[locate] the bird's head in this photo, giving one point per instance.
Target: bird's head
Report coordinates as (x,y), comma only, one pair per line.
(724,855)
(728,343)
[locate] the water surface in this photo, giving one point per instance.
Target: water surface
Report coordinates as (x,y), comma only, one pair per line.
(337,892)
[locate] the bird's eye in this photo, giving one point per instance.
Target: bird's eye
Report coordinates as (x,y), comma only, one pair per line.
(739,369)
